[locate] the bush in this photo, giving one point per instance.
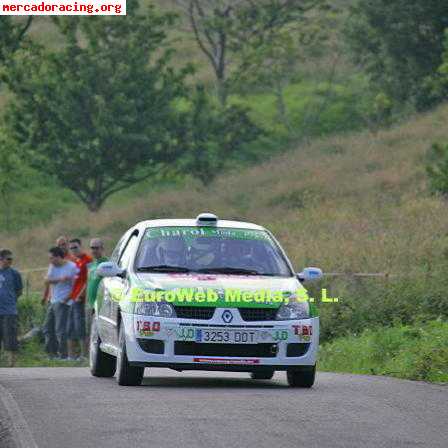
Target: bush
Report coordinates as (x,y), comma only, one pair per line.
(418,352)
(437,168)
(367,303)
(31,313)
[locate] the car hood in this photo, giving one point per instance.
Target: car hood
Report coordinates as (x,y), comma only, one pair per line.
(271,292)
(217,282)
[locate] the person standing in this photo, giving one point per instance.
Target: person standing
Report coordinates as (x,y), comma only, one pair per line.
(93,280)
(11,288)
(76,329)
(60,278)
(62,243)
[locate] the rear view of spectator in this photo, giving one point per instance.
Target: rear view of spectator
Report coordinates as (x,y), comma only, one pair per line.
(60,278)
(10,290)
(76,329)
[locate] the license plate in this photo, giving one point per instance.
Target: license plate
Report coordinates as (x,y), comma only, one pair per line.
(226,336)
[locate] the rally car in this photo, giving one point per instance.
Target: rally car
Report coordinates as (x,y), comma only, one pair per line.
(203,294)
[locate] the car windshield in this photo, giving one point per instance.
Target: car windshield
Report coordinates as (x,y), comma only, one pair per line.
(213,250)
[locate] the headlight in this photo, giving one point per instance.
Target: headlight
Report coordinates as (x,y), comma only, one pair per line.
(154,309)
(293,311)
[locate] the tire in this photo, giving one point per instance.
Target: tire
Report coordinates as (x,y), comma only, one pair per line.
(101,364)
(303,377)
(262,375)
(127,375)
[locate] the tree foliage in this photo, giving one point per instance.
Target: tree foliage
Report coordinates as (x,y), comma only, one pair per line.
(9,178)
(400,43)
(275,63)
(97,114)
(211,136)
(437,84)
(223,27)
(12,34)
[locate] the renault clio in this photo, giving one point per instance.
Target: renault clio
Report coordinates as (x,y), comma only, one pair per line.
(203,294)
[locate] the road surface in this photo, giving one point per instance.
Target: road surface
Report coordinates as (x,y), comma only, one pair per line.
(67,408)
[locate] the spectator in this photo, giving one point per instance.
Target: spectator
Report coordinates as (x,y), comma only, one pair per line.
(61,242)
(93,281)
(76,330)
(60,278)
(10,290)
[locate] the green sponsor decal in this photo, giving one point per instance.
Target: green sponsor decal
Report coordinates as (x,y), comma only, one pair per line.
(211,297)
(280,335)
(190,233)
(229,297)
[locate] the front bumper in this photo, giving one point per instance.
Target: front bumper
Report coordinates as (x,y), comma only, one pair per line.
(173,343)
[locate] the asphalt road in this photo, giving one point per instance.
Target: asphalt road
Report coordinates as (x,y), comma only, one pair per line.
(67,408)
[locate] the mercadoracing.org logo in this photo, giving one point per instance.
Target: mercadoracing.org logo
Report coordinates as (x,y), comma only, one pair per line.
(63,7)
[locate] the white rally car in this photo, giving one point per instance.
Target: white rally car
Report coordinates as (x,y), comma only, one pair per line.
(203,294)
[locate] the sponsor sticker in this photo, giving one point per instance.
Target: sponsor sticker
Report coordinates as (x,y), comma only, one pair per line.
(147,328)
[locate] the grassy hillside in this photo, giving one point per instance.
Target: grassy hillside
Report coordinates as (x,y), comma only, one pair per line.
(356,203)
(353,203)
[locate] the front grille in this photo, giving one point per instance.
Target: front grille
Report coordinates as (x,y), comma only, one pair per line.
(152,346)
(238,350)
(294,350)
(194,312)
(254,314)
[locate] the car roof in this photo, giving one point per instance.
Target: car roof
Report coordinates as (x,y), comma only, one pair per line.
(193,223)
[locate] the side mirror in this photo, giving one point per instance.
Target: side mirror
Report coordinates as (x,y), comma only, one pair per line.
(310,274)
(109,269)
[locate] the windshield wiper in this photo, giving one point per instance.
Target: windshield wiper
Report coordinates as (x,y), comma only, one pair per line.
(228,270)
(163,268)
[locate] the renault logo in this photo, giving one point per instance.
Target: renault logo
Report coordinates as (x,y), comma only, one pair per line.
(227,316)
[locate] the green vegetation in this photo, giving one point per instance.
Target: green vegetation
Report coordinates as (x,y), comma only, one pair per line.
(12,35)
(437,168)
(110,107)
(312,109)
(358,203)
(230,34)
(32,354)
(316,98)
(332,156)
(400,44)
(417,352)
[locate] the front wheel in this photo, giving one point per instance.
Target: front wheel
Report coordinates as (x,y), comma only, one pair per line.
(101,364)
(127,375)
(303,377)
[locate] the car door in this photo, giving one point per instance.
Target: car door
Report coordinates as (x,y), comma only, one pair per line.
(120,286)
(106,322)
